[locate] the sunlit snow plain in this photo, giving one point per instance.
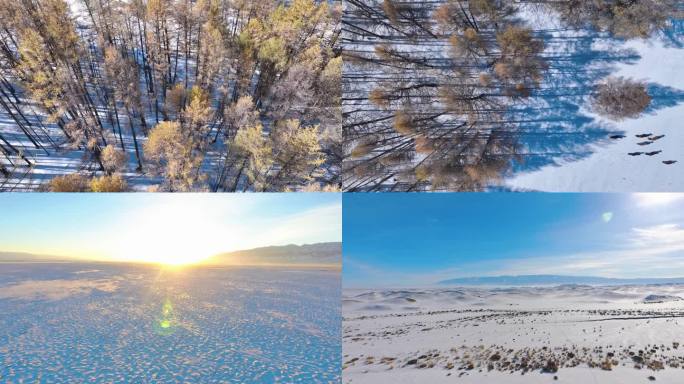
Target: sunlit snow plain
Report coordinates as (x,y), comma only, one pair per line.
(565,334)
(77,323)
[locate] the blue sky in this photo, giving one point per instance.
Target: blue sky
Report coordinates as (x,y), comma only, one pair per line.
(419,239)
(155,227)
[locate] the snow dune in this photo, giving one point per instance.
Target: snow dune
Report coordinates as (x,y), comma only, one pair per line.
(575,333)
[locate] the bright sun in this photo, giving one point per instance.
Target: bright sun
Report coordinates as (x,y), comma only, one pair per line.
(163,234)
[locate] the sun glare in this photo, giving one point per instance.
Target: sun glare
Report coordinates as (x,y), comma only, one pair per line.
(167,234)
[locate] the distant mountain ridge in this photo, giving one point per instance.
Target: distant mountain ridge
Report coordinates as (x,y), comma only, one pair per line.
(527,280)
(25,257)
(318,254)
(306,254)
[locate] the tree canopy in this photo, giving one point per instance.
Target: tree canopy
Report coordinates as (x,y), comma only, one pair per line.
(168,91)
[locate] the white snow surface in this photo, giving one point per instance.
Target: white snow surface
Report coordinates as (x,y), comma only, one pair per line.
(604,165)
(431,335)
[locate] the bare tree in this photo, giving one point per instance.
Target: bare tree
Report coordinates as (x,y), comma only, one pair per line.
(618,98)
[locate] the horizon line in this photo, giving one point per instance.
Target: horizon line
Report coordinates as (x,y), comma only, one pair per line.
(46,258)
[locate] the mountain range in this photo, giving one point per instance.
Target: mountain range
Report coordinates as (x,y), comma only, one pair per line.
(534,280)
(307,254)
(18,257)
(319,254)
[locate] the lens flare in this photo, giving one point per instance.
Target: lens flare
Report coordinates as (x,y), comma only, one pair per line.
(167,308)
(607,217)
(164,324)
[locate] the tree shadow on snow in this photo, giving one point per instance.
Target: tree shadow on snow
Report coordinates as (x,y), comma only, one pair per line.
(556,125)
(663,97)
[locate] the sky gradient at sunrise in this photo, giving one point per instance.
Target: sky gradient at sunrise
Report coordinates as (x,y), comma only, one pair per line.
(163,228)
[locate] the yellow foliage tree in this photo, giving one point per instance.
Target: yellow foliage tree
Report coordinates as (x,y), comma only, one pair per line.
(171,155)
(113,159)
(251,145)
(69,183)
(297,152)
(114,183)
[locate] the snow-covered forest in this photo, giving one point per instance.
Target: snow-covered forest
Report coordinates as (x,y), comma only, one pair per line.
(228,96)
(472,95)
(170,95)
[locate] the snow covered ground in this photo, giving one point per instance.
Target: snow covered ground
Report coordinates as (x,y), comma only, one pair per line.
(97,322)
(583,158)
(566,334)
(563,144)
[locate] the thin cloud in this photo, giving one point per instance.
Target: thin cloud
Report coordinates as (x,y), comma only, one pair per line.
(645,251)
(658,199)
(320,224)
(659,234)
(640,252)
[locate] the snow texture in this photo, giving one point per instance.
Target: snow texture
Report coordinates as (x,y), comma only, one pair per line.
(575,150)
(78,322)
(576,333)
